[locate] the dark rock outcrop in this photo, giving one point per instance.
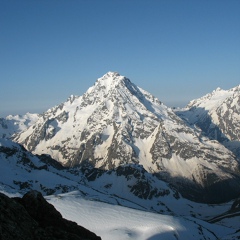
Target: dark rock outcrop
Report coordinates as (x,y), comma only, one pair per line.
(32,217)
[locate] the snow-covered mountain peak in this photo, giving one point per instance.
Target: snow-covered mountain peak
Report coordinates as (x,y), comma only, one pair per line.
(236,89)
(15,124)
(111,80)
(110,75)
(218,115)
(214,99)
(217,89)
(211,100)
(107,83)
(117,91)
(116,123)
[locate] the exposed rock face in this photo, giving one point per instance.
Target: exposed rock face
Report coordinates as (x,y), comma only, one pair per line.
(32,217)
(137,180)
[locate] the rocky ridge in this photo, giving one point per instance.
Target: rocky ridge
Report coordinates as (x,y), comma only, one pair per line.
(32,217)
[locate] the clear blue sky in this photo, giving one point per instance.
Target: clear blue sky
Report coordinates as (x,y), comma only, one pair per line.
(177,50)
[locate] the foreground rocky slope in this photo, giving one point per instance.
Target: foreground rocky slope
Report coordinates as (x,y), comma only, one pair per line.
(116,123)
(32,217)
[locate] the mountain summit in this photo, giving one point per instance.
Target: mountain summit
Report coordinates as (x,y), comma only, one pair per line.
(103,127)
(111,75)
(116,123)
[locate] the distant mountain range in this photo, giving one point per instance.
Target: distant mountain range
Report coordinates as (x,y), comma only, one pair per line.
(15,124)
(116,123)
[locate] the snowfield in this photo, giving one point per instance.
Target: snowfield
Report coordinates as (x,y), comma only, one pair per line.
(121,223)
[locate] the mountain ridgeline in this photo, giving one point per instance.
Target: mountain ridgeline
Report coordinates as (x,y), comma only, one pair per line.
(116,123)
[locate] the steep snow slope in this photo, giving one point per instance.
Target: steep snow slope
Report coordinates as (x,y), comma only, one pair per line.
(218,116)
(117,123)
(15,124)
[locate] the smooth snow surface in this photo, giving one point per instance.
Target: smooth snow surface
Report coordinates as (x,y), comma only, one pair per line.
(113,222)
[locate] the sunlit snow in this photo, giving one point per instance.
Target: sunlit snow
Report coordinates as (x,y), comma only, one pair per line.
(121,223)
